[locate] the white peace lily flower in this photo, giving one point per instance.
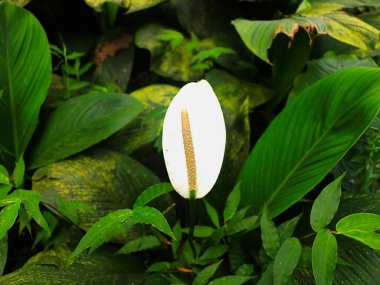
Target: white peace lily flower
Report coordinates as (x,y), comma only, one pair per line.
(194,139)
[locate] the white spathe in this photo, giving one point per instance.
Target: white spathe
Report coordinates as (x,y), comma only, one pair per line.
(208,133)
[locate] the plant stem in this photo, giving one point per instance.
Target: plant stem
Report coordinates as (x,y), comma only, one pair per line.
(192,213)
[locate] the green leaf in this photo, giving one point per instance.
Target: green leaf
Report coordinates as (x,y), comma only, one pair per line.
(286,260)
(258,36)
(152,193)
(286,229)
(245,270)
(131,5)
(24,77)
(18,172)
(324,257)
(206,273)
(102,231)
(214,252)
(347,3)
(4,176)
(212,213)
(267,276)
(232,203)
(200,231)
(246,224)
(326,205)
(328,64)
(102,267)
(152,216)
(3,253)
(315,138)
(31,200)
(159,266)
(102,179)
(80,123)
(230,280)
(370,239)
(71,209)
(8,216)
(176,243)
(359,221)
(269,234)
(139,244)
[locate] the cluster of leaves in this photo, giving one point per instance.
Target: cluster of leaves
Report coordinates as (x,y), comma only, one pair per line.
(80,144)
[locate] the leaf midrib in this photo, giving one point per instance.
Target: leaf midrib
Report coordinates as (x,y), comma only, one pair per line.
(303,158)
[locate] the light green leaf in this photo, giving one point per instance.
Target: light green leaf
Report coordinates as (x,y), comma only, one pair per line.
(286,229)
(258,36)
(212,213)
(159,266)
(31,200)
(18,172)
(4,176)
(286,260)
(80,123)
(214,252)
(347,3)
(71,209)
(324,257)
(8,216)
(269,234)
(370,239)
(25,76)
(230,280)
(176,243)
(200,231)
(102,231)
(131,5)
(3,253)
(152,193)
(152,216)
(232,203)
(359,221)
(245,270)
(326,205)
(267,276)
(206,273)
(315,137)
(246,224)
(140,244)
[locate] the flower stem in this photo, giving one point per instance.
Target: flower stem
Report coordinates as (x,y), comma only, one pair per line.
(192,214)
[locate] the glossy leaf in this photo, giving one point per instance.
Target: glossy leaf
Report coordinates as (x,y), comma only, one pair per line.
(212,213)
(152,193)
(205,274)
(80,123)
(8,216)
(230,280)
(139,244)
(24,77)
(326,205)
(269,234)
(258,36)
(315,138)
(131,5)
(368,238)
(324,257)
(232,203)
(359,221)
(18,173)
(286,260)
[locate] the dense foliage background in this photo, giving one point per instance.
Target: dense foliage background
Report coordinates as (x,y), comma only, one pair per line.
(84,193)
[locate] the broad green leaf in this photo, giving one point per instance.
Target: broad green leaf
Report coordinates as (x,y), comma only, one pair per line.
(3,253)
(152,193)
(326,205)
(267,276)
(159,266)
(71,208)
(131,5)
(102,231)
(230,280)
(258,36)
(370,239)
(102,267)
(214,252)
(232,203)
(121,181)
(245,270)
(80,123)
(328,64)
(324,257)
(19,2)
(286,260)
(359,221)
(24,77)
(139,244)
(200,231)
(147,126)
(18,172)
(8,216)
(212,213)
(205,274)
(286,229)
(152,216)
(347,3)
(4,176)
(269,234)
(31,200)
(315,138)
(246,224)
